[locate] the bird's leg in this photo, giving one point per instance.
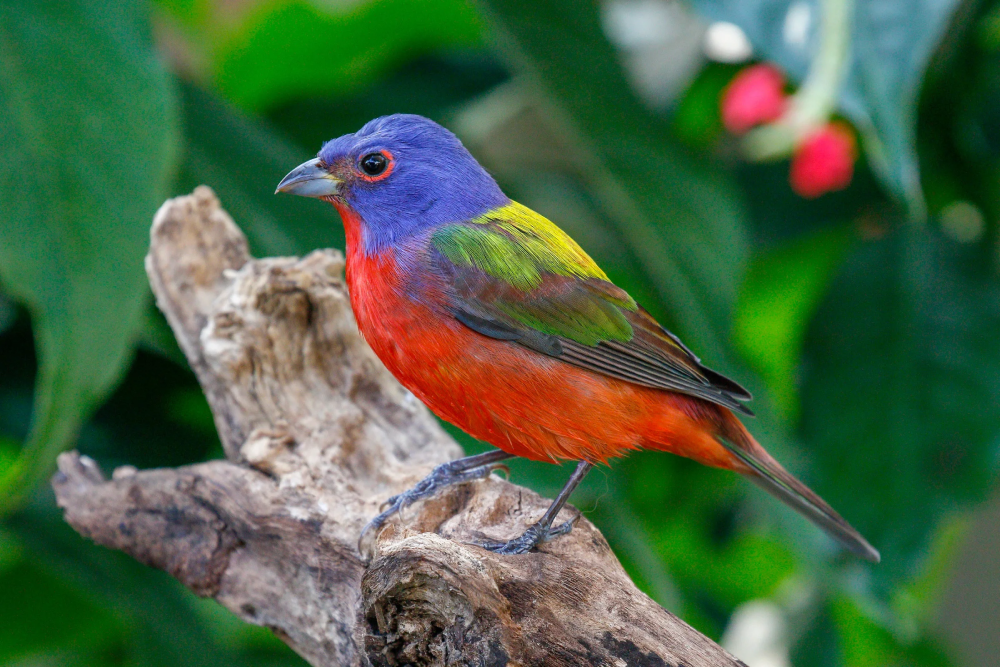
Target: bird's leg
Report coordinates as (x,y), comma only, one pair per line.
(542,531)
(473,467)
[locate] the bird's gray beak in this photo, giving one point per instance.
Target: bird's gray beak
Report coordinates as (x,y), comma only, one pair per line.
(309,180)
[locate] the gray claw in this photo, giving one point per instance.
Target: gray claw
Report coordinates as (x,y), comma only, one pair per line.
(531,538)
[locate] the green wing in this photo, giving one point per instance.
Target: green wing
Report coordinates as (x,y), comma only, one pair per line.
(516,276)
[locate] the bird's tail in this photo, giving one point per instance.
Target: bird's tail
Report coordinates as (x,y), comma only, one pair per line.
(768,474)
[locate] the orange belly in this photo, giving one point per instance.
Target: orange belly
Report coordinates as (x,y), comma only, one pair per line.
(518,400)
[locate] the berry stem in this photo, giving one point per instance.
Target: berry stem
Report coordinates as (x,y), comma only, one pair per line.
(816,99)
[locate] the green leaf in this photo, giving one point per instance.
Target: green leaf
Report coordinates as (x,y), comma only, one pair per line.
(891,43)
(782,290)
(8,315)
(89,132)
(863,643)
(31,627)
(678,213)
(160,624)
(432,86)
(11,551)
(9,452)
(243,160)
(901,399)
(698,119)
(275,52)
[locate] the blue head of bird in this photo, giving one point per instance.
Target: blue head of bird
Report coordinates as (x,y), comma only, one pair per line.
(402,174)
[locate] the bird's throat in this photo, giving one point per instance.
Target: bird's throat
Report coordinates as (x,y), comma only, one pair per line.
(353,227)
(371,279)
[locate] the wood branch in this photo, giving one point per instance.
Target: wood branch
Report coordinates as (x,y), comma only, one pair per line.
(317,434)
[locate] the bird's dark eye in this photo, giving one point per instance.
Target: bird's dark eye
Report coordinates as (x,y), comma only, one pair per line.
(374,164)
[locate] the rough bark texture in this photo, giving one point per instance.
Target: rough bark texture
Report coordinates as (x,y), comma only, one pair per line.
(317,434)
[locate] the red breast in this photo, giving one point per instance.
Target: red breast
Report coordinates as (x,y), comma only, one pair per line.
(518,400)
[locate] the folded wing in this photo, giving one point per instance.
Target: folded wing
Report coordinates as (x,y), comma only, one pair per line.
(515,276)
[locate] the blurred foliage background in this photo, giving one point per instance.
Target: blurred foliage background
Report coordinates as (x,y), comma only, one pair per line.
(865,320)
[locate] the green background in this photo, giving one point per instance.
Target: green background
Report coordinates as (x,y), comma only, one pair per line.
(865,322)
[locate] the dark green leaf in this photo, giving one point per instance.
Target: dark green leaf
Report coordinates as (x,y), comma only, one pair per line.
(782,290)
(30,627)
(901,400)
(261,57)
(863,642)
(8,313)
(891,43)
(243,160)
(155,610)
(89,132)
(430,86)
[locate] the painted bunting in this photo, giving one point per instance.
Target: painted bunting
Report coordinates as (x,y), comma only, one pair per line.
(498,321)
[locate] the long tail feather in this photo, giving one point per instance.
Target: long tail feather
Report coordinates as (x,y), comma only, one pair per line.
(768,474)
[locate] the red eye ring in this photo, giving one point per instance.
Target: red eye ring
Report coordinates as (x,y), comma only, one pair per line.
(368,166)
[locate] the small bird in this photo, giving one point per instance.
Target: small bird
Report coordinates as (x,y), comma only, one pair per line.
(497,320)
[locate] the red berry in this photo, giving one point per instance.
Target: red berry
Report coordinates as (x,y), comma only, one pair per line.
(824,161)
(756,95)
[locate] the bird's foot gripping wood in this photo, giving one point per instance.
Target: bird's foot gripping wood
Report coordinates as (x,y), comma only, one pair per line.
(467,469)
(542,531)
(529,539)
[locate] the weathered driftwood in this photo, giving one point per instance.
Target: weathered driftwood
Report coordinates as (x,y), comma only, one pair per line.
(317,434)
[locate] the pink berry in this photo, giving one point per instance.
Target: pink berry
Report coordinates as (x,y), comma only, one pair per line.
(824,161)
(756,95)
